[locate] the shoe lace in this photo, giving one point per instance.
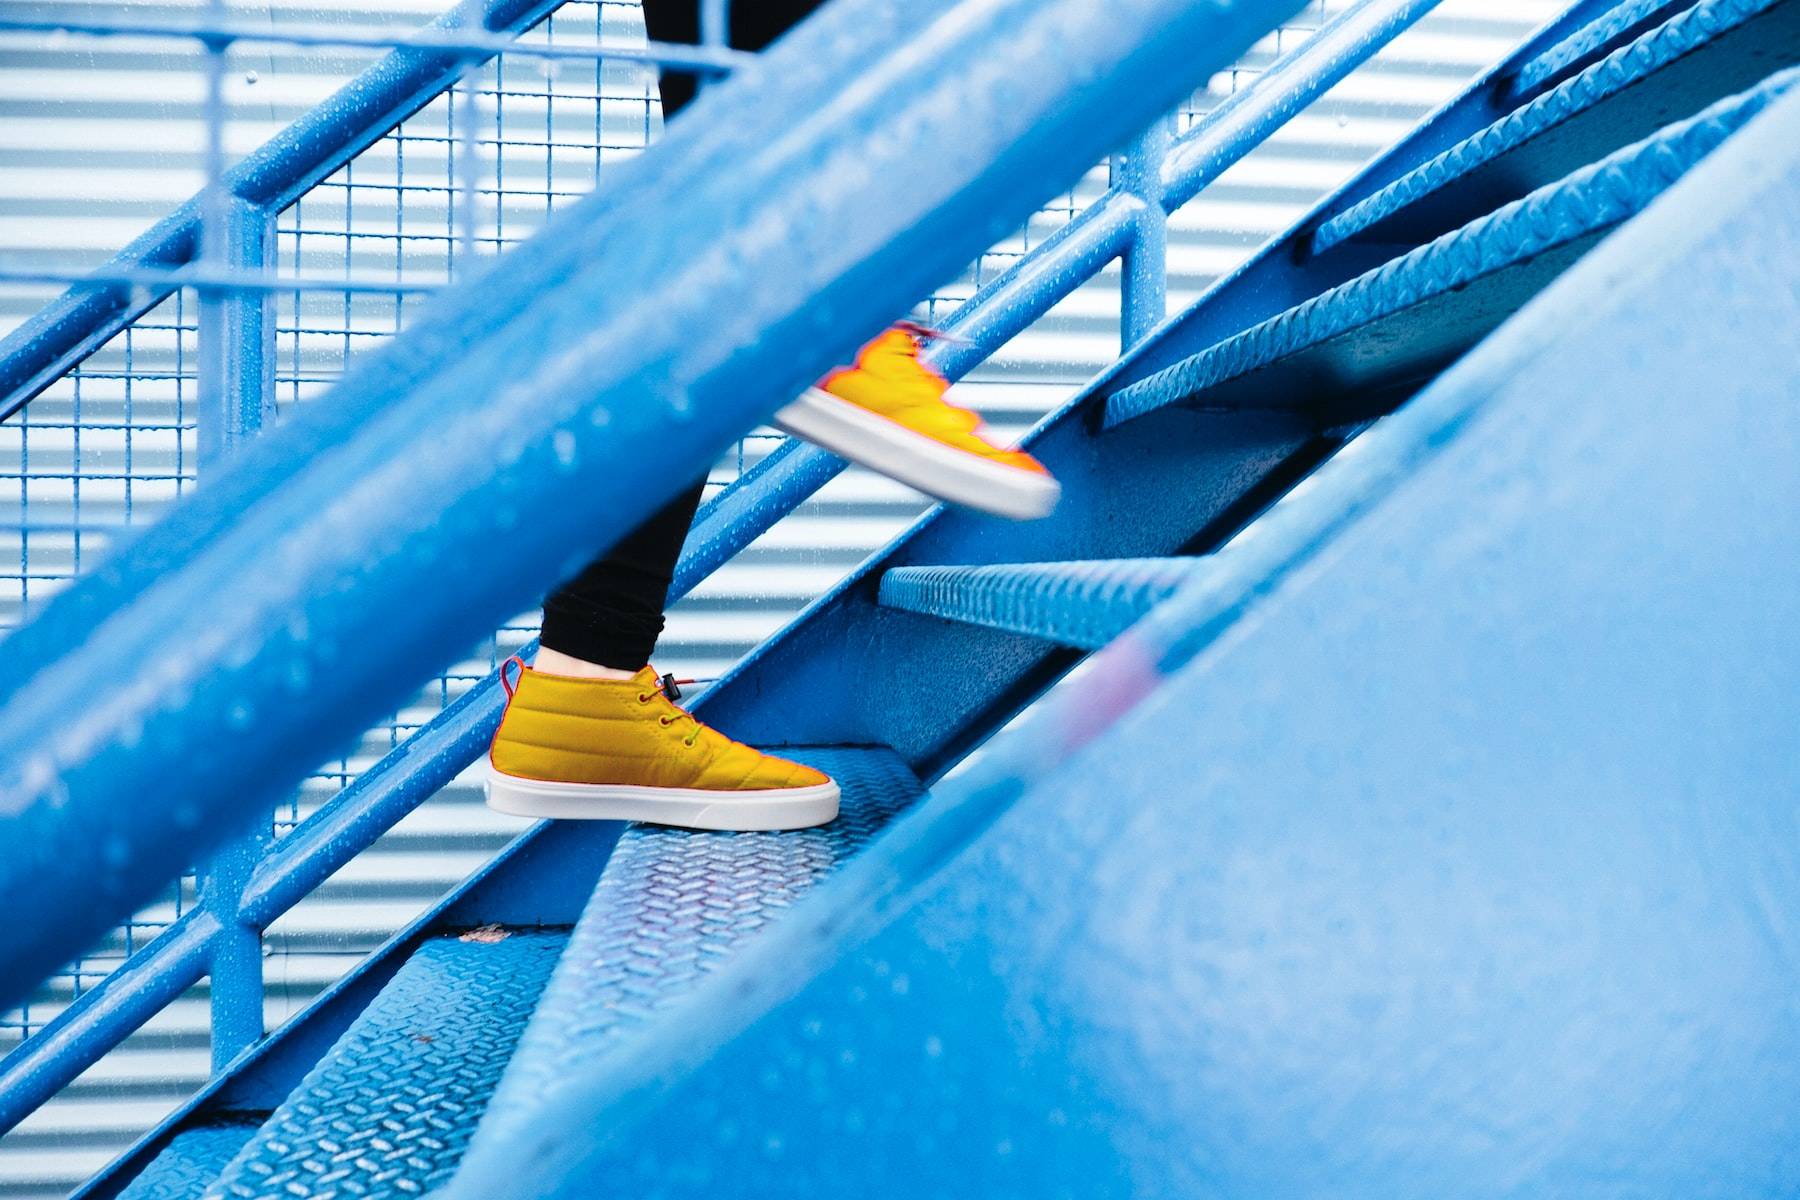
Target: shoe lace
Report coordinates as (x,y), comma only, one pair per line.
(668,687)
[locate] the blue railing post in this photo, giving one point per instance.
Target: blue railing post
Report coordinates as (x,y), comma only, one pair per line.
(1143,286)
(237,335)
(237,354)
(236,379)
(236,974)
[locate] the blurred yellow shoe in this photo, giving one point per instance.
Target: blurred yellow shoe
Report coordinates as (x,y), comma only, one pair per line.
(888,413)
(621,750)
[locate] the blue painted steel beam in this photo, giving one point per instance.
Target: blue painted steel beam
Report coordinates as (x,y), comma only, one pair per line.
(280,609)
(105,1014)
(1082,604)
(1483,745)
(1701,56)
(49,343)
(1331,354)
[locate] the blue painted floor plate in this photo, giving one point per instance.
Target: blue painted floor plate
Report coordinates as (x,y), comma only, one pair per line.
(672,906)
(389,1111)
(191,1160)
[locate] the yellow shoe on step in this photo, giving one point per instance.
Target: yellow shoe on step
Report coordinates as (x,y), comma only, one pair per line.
(621,750)
(888,413)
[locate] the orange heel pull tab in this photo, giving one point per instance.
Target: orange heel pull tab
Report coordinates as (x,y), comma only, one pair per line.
(509,684)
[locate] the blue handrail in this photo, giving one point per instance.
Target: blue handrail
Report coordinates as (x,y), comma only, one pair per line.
(435,754)
(271,615)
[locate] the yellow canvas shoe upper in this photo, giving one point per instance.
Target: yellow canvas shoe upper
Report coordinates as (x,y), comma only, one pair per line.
(889,380)
(602,731)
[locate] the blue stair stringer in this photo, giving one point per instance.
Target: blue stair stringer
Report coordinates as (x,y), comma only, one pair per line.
(673,906)
(193,1159)
(1417,312)
(389,1109)
(1595,112)
(1333,878)
(1082,604)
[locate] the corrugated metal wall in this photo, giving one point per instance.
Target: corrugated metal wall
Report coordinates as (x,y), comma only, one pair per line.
(100,138)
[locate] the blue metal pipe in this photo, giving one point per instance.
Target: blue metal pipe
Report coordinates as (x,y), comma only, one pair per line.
(1245,119)
(346,825)
(104,1015)
(65,331)
(280,609)
(705,60)
(1143,286)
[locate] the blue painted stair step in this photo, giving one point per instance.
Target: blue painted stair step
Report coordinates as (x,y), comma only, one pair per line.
(1608,29)
(192,1160)
(1084,604)
(1401,322)
(1698,57)
(389,1111)
(672,906)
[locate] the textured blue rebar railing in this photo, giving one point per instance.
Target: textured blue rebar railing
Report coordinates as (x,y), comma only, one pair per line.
(1002,308)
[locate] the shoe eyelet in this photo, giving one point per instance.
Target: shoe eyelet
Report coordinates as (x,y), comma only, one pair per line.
(665,721)
(643,697)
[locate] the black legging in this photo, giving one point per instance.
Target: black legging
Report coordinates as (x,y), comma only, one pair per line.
(611,613)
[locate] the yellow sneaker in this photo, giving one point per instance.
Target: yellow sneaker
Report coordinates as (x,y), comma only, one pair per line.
(888,413)
(621,750)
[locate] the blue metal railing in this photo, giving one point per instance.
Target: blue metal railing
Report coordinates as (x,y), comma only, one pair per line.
(1156,178)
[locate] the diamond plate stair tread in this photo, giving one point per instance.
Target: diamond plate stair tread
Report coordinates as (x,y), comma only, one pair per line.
(1554,127)
(1436,285)
(672,906)
(1589,39)
(1083,604)
(389,1111)
(192,1160)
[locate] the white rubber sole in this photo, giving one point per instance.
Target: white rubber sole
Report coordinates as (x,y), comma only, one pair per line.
(689,808)
(912,458)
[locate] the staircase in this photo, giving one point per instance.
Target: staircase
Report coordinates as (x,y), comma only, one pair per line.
(1420,824)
